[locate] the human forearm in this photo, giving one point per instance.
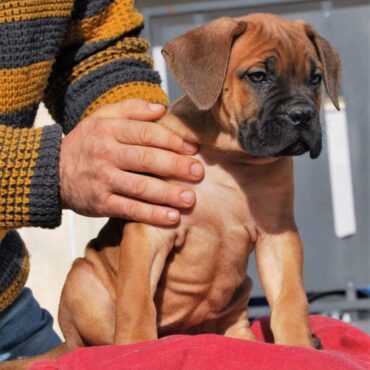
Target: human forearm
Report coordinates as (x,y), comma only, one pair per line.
(103,61)
(29,177)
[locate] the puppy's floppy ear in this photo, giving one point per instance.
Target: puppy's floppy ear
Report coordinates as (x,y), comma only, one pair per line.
(199,59)
(330,61)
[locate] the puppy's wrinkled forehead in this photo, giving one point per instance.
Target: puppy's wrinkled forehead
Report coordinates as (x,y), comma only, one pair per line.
(281,43)
(204,59)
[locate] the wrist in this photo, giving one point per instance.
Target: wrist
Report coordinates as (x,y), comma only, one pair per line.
(62,193)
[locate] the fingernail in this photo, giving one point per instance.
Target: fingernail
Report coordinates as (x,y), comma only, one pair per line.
(187,197)
(173,215)
(197,170)
(190,147)
(155,107)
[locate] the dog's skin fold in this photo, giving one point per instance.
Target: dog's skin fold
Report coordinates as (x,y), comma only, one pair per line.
(253,88)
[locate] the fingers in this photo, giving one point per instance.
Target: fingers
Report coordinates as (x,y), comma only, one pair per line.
(159,162)
(151,135)
(132,209)
(132,109)
(151,189)
(103,150)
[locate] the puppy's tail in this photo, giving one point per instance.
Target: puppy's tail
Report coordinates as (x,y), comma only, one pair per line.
(27,362)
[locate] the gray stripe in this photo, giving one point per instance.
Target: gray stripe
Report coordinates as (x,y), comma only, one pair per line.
(26,42)
(12,253)
(45,207)
(76,53)
(21,118)
(85,9)
(72,102)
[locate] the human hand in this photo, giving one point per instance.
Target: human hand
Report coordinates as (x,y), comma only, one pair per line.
(105,158)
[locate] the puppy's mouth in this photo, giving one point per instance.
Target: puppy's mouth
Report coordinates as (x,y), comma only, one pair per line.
(300,147)
(269,139)
(296,148)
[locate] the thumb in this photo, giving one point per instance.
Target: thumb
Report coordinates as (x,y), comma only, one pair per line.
(133,109)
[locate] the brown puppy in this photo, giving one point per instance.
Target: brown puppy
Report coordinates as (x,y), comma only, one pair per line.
(253,87)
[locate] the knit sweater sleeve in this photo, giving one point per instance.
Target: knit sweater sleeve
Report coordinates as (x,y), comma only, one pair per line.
(29,178)
(102,61)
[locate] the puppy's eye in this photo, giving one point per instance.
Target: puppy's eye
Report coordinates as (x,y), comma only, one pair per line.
(316,79)
(257,77)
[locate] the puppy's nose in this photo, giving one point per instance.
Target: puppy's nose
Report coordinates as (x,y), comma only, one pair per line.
(301,115)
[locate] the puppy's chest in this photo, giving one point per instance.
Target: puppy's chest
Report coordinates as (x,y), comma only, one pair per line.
(214,243)
(221,221)
(222,204)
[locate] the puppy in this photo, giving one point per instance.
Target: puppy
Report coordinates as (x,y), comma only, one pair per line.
(252,100)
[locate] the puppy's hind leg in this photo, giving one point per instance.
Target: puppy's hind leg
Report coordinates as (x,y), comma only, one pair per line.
(86,310)
(236,324)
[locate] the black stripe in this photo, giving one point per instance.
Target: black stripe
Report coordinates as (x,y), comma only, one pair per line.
(89,8)
(26,42)
(78,52)
(78,96)
(57,82)
(44,206)
(21,118)
(12,253)
(87,50)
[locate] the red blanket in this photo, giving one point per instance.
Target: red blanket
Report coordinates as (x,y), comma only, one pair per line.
(345,347)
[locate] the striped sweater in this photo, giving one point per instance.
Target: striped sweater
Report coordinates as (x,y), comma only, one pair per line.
(75,56)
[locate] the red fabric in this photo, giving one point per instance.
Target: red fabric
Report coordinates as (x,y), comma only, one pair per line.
(345,347)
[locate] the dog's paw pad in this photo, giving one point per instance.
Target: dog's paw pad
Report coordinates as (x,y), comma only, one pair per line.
(317,342)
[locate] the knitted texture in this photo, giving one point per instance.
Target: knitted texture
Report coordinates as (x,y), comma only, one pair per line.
(14,267)
(28,173)
(101,51)
(76,56)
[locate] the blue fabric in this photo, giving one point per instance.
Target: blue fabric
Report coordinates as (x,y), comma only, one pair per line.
(26,329)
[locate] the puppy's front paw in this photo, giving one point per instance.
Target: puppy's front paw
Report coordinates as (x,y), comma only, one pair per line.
(317,342)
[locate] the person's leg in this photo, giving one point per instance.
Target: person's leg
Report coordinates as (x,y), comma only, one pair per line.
(26,329)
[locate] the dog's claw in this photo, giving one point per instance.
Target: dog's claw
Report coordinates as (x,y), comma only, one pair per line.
(317,342)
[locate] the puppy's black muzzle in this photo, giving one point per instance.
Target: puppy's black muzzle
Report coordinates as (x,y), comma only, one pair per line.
(301,116)
(291,129)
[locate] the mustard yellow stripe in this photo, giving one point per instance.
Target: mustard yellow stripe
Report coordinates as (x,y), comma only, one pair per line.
(2,234)
(133,44)
(33,9)
(17,285)
(117,19)
(84,69)
(22,86)
(130,47)
(19,152)
(140,90)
